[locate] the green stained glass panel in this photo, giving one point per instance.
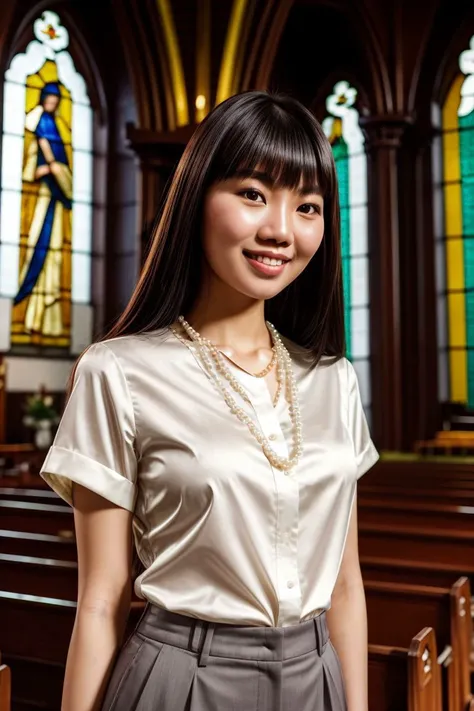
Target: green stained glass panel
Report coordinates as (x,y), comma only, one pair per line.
(466,146)
(341,157)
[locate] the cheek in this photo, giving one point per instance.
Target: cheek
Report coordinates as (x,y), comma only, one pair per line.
(309,240)
(225,224)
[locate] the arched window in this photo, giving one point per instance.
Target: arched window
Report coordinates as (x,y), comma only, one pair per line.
(46,192)
(342,128)
(455,238)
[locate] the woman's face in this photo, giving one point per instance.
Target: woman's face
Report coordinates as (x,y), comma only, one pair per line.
(50,103)
(247,218)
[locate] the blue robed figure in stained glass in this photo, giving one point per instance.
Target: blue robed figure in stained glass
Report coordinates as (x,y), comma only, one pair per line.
(46,164)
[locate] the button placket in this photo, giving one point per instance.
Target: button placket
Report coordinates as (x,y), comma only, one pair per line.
(266,414)
(289,590)
(288,585)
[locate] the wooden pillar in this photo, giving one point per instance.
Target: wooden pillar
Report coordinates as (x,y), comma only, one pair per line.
(159,153)
(384,136)
(424,372)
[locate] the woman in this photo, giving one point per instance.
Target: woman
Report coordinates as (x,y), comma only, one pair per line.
(46,163)
(220,419)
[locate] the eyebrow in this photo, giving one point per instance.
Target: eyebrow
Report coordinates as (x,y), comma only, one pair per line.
(267,180)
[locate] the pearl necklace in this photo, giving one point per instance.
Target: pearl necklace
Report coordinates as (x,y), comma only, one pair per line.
(267,369)
(216,354)
(204,346)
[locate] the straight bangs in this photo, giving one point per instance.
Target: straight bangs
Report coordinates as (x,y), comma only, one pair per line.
(285,147)
(253,131)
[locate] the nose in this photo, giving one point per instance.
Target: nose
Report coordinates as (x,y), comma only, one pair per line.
(277,223)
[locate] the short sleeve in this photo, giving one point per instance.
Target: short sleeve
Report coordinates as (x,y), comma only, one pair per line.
(365,453)
(94,444)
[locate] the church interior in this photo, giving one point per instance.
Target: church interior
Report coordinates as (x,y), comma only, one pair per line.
(123,85)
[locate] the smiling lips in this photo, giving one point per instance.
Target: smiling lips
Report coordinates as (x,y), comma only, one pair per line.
(270,264)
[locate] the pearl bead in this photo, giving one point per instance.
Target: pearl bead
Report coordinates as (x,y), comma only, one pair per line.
(284,371)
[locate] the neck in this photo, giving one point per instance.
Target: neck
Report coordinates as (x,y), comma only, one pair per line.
(243,331)
(241,327)
(227,317)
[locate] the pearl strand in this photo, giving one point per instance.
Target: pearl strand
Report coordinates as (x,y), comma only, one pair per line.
(279,368)
(284,360)
(268,368)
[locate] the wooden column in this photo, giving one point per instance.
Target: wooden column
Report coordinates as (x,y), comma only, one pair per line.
(384,136)
(159,153)
(425,368)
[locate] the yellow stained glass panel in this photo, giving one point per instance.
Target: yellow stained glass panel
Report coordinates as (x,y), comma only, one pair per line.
(456,302)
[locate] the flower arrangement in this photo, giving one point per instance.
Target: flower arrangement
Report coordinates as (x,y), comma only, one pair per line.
(40,407)
(41,416)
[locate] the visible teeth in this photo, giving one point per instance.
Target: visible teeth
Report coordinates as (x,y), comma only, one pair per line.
(270,262)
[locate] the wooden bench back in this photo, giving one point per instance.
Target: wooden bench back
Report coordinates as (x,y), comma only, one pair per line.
(424,676)
(395,610)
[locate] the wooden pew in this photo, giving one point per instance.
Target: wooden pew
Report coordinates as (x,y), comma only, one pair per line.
(37,518)
(394,610)
(405,679)
(38,496)
(418,572)
(412,492)
(5,687)
(33,575)
(36,632)
(459,474)
(395,511)
(440,480)
(44,545)
(414,543)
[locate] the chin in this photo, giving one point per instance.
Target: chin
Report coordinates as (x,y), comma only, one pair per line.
(260,292)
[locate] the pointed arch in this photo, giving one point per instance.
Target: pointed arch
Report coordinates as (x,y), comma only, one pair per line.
(454,231)
(47,195)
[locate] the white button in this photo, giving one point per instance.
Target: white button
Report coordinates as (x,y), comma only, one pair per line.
(290,584)
(273,437)
(287,473)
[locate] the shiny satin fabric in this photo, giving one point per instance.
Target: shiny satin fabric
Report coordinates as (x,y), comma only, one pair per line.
(223,535)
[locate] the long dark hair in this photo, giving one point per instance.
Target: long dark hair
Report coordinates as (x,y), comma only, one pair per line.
(280,136)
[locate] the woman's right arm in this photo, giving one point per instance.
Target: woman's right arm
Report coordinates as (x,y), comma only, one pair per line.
(104,547)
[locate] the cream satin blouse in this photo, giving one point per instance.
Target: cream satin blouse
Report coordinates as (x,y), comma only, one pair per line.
(223,536)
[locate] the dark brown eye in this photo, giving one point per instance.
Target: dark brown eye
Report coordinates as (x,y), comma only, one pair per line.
(250,194)
(310,208)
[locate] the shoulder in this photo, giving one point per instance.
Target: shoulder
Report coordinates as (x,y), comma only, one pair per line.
(130,353)
(33,118)
(331,375)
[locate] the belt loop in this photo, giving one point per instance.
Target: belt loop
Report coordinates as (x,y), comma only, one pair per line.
(196,635)
(206,647)
(318,634)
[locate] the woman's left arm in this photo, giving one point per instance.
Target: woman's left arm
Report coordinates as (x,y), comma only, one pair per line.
(347,621)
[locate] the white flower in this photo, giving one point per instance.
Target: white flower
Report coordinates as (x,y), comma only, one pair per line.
(49,31)
(466,59)
(342,99)
(466,64)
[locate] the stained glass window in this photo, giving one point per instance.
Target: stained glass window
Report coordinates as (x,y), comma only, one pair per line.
(342,128)
(455,238)
(46,189)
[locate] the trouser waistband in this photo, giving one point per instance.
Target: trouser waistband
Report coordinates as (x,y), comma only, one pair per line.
(234,641)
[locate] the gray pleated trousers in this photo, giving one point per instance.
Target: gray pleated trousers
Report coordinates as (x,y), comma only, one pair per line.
(173,662)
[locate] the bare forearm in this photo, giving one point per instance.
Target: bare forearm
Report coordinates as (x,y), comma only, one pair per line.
(94,643)
(347,622)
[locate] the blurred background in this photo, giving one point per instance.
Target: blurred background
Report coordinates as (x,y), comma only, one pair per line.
(112,90)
